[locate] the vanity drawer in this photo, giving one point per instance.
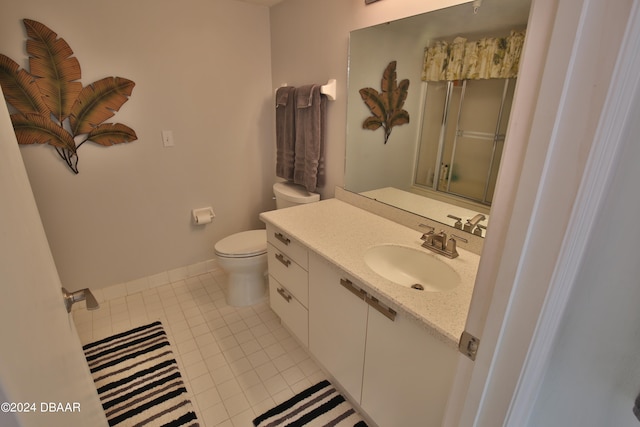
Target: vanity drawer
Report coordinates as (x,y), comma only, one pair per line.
(287,245)
(292,314)
(289,273)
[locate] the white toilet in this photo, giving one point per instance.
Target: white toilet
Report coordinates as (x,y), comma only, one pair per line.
(289,194)
(244,255)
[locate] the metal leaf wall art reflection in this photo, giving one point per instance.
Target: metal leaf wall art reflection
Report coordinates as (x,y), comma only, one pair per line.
(52,105)
(386,106)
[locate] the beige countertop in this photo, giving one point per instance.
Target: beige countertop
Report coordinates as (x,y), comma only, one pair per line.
(341,233)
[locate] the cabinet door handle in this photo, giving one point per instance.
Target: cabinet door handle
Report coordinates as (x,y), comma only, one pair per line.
(386,311)
(284,294)
(282,238)
(283,260)
(353,288)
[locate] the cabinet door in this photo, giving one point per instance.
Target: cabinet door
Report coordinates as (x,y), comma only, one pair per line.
(407,374)
(292,314)
(337,325)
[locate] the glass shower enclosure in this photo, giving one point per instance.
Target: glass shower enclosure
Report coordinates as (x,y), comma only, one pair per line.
(462,137)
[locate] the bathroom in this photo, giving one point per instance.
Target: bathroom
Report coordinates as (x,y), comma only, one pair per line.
(126,218)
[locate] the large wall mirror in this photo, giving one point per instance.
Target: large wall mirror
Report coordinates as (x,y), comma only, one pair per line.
(444,162)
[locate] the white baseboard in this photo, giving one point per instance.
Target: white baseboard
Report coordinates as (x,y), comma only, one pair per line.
(121,290)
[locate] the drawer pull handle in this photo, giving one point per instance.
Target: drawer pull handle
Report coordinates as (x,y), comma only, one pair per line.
(283,239)
(284,294)
(386,311)
(283,260)
(353,288)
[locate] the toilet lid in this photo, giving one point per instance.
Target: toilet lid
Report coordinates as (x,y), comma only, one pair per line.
(243,244)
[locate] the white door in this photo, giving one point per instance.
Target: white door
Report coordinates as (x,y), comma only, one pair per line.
(574,44)
(44,378)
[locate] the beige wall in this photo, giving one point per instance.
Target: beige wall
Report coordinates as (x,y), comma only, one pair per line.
(206,71)
(202,69)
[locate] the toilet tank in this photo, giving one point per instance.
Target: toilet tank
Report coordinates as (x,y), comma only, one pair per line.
(289,194)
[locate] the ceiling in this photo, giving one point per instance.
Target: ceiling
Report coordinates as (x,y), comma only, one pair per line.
(263,2)
(492,16)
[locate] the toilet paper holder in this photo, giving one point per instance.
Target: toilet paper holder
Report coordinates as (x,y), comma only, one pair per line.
(202,216)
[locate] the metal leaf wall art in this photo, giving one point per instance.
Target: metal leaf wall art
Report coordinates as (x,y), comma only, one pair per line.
(386,106)
(52,105)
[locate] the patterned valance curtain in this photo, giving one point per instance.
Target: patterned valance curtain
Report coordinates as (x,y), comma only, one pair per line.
(488,58)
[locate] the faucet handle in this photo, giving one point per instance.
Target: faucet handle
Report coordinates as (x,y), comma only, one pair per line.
(432,229)
(428,234)
(451,245)
(458,223)
(458,238)
(478,230)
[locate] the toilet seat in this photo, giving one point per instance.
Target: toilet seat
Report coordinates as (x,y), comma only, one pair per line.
(245,244)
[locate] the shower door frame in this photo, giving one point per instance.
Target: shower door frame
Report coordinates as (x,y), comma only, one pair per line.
(496,137)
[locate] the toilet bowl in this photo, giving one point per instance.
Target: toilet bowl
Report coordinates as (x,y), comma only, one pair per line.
(244,255)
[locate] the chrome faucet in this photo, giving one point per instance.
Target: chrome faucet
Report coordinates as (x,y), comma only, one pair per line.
(472,222)
(439,243)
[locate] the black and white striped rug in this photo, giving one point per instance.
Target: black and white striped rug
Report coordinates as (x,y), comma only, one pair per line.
(319,405)
(138,379)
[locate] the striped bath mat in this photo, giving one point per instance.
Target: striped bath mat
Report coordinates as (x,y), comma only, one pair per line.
(138,380)
(319,405)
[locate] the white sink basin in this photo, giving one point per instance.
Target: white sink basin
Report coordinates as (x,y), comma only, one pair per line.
(411,267)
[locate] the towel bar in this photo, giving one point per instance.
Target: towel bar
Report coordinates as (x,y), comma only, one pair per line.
(329,89)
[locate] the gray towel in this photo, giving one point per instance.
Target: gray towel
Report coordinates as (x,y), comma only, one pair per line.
(311,109)
(285,132)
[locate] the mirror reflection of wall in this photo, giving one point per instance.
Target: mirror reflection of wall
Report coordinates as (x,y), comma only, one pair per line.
(404,166)
(370,162)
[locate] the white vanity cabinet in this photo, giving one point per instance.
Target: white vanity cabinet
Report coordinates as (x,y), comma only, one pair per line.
(337,324)
(398,373)
(288,282)
(407,373)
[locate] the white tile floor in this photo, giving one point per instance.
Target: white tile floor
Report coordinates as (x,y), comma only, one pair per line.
(236,362)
